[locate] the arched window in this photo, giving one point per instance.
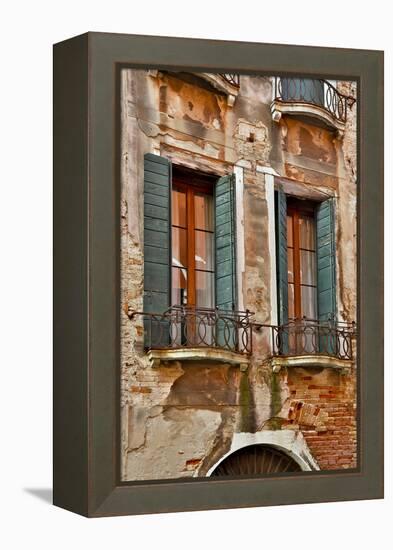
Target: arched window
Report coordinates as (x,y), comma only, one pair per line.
(256,459)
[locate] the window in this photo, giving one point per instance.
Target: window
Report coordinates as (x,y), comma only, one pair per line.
(193,262)
(301,249)
(189,249)
(306,274)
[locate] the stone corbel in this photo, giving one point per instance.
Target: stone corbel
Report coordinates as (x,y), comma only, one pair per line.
(243,367)
(231,100)
(276,115)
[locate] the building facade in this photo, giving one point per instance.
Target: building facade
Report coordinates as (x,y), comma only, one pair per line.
(238,274)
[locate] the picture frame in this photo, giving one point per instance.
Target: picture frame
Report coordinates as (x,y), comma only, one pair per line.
(86,387)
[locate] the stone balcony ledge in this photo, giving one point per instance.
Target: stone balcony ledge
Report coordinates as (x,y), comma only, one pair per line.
(280,107)
(311,361)
(162,357)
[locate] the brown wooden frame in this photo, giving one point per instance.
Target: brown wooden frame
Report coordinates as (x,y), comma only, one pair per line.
(189,188)
(87,275)
(295,208)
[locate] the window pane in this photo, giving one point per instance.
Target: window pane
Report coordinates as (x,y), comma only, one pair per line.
(309,302)
(291,301)
(203,207)
(307,232)
(289,231)
(204,250)
(204,282)
(179,212)
(179,247)
(290,265)
(307,268)
(179,286)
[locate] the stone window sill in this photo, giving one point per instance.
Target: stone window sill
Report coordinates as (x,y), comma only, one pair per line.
(305,361)
(162,357)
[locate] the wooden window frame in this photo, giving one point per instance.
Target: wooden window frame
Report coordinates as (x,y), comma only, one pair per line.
(296,208)
(191,182)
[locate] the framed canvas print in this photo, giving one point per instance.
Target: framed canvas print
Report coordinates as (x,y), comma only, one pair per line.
(218,265)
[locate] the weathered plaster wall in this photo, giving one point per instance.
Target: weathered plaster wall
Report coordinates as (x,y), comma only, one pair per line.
(179,420)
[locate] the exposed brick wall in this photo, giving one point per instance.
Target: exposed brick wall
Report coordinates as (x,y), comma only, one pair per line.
(323,405)
(180,419)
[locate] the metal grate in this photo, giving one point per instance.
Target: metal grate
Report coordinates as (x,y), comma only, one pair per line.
(186,326)
(312,337)
(256,459)
(315,92)
(233,79)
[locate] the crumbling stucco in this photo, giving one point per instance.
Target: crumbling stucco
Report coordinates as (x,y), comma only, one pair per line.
(180,419)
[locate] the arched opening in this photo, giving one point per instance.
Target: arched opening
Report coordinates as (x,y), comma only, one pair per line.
(256,459)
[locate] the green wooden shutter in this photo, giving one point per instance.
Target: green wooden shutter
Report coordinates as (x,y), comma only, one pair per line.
(157,226)
(282,257)
(225,249)
(326,272)
(282,265)
(326,261)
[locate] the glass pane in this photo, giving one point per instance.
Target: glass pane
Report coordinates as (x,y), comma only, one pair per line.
(204,282)
(307,268)
(203,207)
(307,232)
(179,247)
(204,258)
(179,286)
(290,265)
(289,231)
(291,301)
(309,302)
(179,211)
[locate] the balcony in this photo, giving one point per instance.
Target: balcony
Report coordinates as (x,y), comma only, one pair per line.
(232,79)
(185,333)
(228,83)
(193,333)
(312,343)
(311,98)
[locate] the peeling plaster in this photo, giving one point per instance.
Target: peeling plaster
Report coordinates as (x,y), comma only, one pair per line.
(181,420)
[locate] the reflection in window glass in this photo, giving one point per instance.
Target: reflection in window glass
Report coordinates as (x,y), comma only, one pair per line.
(307,267)
(179,247)
(203,208)
(291,301)
(179,210)
(307,232)
(290,266)
(204,282)
(179,286)
(204,250)
(192,245)
(301,256)
(309,301)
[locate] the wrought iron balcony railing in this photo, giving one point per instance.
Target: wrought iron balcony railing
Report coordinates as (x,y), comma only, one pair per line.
(312,337)
(192,327)
(315,92)
(233,79)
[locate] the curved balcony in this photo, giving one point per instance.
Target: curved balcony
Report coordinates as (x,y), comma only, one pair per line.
(312,343)
(194,333)
(314,98)
(229,83)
